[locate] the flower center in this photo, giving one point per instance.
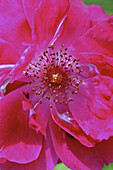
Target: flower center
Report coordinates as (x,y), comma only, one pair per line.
(56,78)
(54,75)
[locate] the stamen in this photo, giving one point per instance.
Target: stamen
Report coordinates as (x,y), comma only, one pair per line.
(55,72)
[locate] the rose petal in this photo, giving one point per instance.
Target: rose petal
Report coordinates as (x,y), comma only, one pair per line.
(13,23)
(47,19)
(98,39)
(40,117)
(8,57)
(22,63)
(93,113)
(3,160)
(46,160)
(103,63)
(67,122)
(30,7)
(18,142)
(77,156)
(8,53)
(96,13)
(76,23)
(26,105)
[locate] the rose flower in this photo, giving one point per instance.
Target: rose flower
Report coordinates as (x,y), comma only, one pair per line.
(56,87)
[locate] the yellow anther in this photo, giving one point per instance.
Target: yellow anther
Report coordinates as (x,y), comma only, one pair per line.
(76,92)
(56,101)
(70,99)
(34,75)
(63,97)
(33,63)
(54,91)
(36,92)
(30,67)
(48,97)
(66,103)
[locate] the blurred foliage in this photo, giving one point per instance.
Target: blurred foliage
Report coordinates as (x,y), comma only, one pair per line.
(109,167)
(107,5)
(61,166)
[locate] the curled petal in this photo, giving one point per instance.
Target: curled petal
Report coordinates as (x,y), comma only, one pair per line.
(77,156)
(103,63)
(18,142)
(8,57)
(40,116)
(67,122)
(94,109)
(98,39)
(46,160)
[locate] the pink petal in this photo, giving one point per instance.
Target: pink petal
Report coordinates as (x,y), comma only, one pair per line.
(67,122)
(4,72)
(8,57)
(76,156)
(76,23)
(103,63)
(96,13)
(99,39)
(14,27)
(18,142)
(47,18)
(22,63)
(39,119)
(8,53)
(2,160)
(92,109)
(26,105)
(30,7)
(46,160)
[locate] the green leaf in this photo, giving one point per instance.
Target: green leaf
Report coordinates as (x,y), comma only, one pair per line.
(61,166)
(109,167)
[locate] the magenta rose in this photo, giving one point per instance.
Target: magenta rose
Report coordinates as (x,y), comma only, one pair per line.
(56,99)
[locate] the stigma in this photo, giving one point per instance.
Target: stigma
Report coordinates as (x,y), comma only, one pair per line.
(53,75)
(56,78)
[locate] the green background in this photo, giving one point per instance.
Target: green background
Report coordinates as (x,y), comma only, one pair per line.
(107,5)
